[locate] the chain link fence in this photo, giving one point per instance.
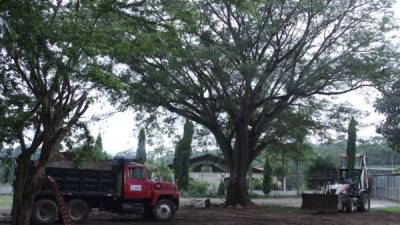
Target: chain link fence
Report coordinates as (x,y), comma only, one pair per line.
(387,187)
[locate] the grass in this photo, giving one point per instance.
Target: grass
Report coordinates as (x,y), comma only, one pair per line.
(388,209)
(5,201)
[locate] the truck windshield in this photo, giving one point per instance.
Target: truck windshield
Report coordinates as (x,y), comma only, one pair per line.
(136,173)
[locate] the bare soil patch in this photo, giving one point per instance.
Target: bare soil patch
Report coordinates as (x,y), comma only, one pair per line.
(227,216)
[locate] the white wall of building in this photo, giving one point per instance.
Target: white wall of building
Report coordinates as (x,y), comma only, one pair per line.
(215,178)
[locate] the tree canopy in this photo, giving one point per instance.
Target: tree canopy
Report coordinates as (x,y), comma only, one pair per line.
(239,68)
(44,63)
(389,105)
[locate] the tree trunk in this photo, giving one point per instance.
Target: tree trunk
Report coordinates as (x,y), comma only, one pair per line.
(28,183)
(237,188)
(283,178)
(297,178)
(239,164)
(25,191)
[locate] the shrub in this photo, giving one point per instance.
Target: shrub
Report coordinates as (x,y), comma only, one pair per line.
(256,184)
(196,189)
(221,189)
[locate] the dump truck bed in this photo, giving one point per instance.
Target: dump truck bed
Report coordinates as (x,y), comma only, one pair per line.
(82,181)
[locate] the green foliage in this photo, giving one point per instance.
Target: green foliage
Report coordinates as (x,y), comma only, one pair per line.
(397,169)
(183,151)
(389,105)
(90,152)
(256,184)
(351,147)
(161,172)
(291,155)
(141,149)
(221,189)
(376,148)
(196,189)
(5,29)
(320,167)
(267,179)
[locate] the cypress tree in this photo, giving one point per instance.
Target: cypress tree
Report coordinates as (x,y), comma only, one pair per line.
(267,181)
(351,147)
(183,151)
(141,149)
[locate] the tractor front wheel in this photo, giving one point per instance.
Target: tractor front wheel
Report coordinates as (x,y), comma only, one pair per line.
(364,203)
(349,205)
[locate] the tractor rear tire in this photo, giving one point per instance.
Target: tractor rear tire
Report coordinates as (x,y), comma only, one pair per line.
(364,203)
(349,205)
(45,211)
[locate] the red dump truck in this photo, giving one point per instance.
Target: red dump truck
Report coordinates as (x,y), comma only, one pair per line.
(123,189)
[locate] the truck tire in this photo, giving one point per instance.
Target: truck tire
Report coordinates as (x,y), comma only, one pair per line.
(349,205)
(364,203)
(164,210)
(78,210)
(44,211)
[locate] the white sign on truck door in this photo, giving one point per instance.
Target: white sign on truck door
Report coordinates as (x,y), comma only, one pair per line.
(136,187)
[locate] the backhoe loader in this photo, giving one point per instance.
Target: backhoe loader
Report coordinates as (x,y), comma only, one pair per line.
(343,192)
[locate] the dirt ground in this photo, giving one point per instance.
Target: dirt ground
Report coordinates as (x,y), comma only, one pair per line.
(223,216)
(265,215)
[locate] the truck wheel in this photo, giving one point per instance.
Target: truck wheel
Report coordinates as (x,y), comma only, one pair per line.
(78,210)
(349,205)
(44,211)
(164,210)
(364,203)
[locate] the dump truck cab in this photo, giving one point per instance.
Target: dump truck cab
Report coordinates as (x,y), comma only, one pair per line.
(138,185)
(123,188)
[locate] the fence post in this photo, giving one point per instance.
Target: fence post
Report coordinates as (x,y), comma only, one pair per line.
(386,187)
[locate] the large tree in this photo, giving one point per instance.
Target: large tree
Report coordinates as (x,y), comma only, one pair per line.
(235,67)
(389,105)
(41,96)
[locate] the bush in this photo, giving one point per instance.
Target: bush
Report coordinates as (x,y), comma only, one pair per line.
(221,189)
(196,189)
(397,169)
(256,184)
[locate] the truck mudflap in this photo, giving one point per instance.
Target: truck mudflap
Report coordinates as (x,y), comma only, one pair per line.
(320,202)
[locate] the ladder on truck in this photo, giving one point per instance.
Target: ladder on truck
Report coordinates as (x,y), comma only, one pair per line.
(60,202)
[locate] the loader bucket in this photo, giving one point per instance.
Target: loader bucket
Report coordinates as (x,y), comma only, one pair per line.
(319,202)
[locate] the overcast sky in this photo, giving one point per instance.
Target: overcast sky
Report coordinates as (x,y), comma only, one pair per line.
(119,132)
